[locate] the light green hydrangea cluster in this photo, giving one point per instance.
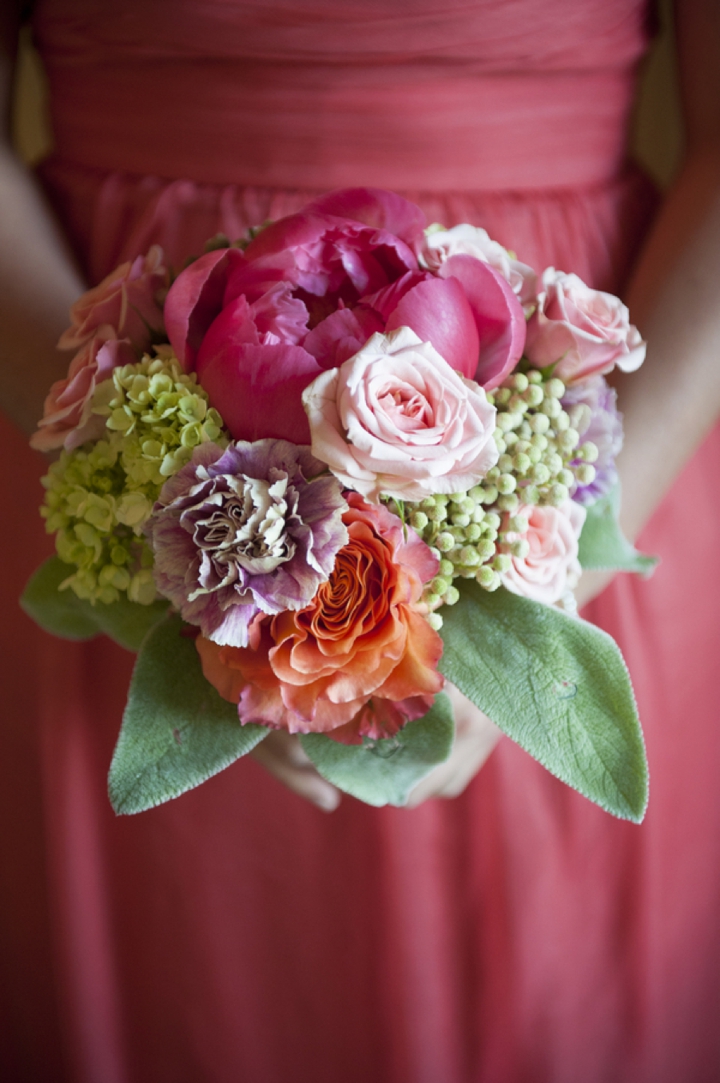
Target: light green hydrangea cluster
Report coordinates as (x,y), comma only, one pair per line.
(99,496)
(475,534)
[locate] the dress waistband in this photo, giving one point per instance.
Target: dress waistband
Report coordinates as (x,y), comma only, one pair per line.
(319,127)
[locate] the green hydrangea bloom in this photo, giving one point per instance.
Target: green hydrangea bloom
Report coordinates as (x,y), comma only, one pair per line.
(99,496)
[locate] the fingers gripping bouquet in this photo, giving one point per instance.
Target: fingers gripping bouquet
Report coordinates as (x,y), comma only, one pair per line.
(326,468)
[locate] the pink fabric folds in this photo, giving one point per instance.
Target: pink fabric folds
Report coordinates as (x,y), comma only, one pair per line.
(343,95)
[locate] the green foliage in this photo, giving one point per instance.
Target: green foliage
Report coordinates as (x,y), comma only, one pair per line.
(604,547)
(63,614)
(557,686)
(384,772)
(177,731)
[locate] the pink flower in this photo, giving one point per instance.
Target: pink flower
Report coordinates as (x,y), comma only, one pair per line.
(396,419)
(362,638)
(551,566)
(330,259)
(469,240)
(68,420)
(585,331)
(127,300)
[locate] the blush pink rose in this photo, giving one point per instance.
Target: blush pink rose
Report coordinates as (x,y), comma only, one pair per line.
(128,300)
(397,420)
(551,566)
(68,420)
(584,330)
(469,240)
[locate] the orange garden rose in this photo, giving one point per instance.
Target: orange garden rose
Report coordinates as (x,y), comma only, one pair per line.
(360,659)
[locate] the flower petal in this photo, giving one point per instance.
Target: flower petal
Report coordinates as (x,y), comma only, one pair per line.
(438,312)
(195,299)
(498,315)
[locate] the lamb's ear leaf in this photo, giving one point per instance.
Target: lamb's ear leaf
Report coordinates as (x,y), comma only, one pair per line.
(63,614)
(604,547)
(384,772)
(176,731)
(556,685)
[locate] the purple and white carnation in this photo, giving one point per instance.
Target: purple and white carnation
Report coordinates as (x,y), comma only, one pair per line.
(601,425)
(252,528)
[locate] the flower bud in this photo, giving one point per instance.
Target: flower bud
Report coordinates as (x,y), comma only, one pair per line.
(539,423)
(588,452)
(518,524)
(520,548)
(585,474)
(518,381)
(533,396)
(558,494)
(509,502)
(485,576)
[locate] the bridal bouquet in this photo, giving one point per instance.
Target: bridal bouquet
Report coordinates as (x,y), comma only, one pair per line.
(326,468)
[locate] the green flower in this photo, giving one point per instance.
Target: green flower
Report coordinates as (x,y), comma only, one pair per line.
(99,496)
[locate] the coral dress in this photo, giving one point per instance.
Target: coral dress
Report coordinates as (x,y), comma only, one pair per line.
(238,935)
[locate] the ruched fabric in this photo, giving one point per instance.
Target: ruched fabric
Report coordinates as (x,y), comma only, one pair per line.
(517,934)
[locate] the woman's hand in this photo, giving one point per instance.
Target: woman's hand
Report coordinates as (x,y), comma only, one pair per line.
(475,737)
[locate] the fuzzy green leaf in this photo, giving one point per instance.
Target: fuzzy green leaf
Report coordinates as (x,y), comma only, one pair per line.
(177,731)
(384,772)
(63,614)
(603,546)
(557,686)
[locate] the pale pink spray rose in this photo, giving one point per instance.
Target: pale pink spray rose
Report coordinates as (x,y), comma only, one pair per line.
(68,420)
(396,419)
(469,240)
(127,300)
(551,566)
(585,331)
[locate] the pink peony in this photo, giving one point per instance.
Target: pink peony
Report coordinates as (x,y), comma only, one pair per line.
(551,566)
(469,240)
(396,419)
(127,300)
(68,420)
(585,331)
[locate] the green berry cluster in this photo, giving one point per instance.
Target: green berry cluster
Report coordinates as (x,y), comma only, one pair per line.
(542,458)
(99,496)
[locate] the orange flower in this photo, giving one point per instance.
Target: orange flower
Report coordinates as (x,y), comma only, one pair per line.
(362,638)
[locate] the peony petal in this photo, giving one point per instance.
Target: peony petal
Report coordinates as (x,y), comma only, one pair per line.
(498,315)
(257,389)
(195,299)
(341,335)
(438,312)
(376,207)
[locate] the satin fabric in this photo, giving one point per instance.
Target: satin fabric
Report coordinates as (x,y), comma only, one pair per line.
(517,934)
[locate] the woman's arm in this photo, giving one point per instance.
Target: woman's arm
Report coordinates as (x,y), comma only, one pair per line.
(38,279)
(671,404)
